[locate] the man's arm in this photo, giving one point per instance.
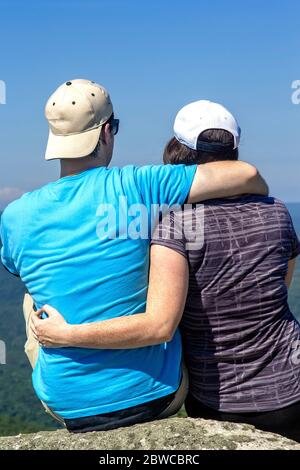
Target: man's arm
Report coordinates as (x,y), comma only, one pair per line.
(167,292)
(6,257)
(176,184)
(224,179)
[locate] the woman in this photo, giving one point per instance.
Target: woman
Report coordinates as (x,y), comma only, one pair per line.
(240,338)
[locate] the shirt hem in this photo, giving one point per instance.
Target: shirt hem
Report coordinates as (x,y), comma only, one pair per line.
(257,409)
(82,413)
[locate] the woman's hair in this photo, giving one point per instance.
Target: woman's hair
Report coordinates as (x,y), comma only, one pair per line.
(176,153)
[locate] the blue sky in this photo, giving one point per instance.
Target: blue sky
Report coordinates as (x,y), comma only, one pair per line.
(154,57)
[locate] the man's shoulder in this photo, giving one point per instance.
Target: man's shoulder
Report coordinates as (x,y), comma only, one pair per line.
(139,169)
(138,176)
(152,168)
(11,215)
(13,208)
(154,175)
(21,205)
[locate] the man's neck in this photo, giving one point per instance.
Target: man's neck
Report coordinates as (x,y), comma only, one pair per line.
(74,167)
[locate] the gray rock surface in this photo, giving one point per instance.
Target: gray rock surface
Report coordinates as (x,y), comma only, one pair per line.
(168,434)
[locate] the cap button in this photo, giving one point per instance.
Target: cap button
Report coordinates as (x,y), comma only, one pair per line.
(69,83)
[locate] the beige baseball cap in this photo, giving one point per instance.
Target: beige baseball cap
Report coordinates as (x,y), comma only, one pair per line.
(76,113)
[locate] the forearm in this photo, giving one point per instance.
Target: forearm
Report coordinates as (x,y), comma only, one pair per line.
(168,284)
(126,332)
(225,179)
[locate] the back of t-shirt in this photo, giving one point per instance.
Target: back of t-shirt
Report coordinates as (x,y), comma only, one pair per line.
(240,338)
(81,244)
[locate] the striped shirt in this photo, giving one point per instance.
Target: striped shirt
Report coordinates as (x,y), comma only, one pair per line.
(241,341)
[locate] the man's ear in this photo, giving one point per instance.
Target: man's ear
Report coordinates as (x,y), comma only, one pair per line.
(105,135)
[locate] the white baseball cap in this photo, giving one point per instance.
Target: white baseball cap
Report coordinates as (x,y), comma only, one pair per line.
(76,112)
(197,117)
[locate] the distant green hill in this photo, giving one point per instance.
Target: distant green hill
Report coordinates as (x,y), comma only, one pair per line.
(20,410)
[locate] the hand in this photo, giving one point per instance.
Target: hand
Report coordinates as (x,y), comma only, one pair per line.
(50,332)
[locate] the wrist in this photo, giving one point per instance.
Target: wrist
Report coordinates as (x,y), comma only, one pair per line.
(69,335)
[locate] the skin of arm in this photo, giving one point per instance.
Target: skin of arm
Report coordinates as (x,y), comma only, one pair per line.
(291,269)
(168,285)
(224,179)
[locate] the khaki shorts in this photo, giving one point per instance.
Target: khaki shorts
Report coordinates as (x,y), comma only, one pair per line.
(32,347)
(32,351)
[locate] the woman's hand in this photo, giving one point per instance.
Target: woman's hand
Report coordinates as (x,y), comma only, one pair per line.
(50,332)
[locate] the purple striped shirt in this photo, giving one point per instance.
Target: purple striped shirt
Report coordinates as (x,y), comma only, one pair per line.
(241,341)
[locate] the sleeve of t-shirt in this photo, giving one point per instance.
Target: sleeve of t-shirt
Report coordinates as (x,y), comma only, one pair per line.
(295,241)
(6,257)
(169,233)
(164,184)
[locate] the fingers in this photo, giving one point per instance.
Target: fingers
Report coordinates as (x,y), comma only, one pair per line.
(38,338)
(37,313)
(35,321)
(51,311)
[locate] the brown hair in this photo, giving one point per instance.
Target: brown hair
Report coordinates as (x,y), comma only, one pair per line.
(176,153)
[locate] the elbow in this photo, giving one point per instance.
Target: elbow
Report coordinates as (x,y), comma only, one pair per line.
(255,182)
(252,173)
(165,334)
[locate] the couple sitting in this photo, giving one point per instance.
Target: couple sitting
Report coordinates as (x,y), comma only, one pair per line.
(103,324)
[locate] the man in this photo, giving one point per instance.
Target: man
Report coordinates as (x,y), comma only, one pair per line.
(240,339)
(54,239)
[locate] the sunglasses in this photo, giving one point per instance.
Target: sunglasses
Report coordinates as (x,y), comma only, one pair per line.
(114,124)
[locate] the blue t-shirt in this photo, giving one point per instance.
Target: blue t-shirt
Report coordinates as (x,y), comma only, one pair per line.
(75,244)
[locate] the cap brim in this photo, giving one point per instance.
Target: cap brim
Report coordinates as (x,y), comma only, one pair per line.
(72,146)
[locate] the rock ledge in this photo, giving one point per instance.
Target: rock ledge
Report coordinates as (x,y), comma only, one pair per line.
(167,434)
